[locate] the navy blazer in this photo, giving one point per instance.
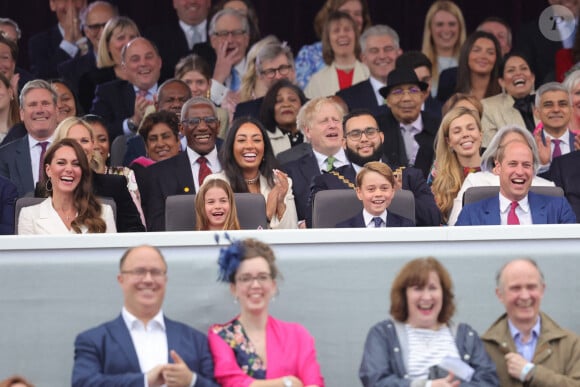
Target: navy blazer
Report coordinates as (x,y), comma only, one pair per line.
(393,220)
(16,165)
(73,70)
(45,53)
(565,173)
(545,210)
(114,102)
(302,173)
(105,355)
(426,211)
(294,153)
(360,96)
(249,108)
(447,84)
(394,145)
(8,196)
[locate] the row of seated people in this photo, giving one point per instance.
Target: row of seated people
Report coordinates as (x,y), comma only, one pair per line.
(417,344)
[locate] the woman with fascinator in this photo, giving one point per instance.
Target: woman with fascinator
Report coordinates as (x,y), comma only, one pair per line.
(255,349)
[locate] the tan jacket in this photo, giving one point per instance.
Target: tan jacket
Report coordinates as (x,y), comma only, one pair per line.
(557,356)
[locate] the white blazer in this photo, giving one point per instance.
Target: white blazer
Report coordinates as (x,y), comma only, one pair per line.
(42,218)
(325,81)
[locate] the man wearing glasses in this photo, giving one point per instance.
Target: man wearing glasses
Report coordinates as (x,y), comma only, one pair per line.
(142,347)
(183,174)
(409,133)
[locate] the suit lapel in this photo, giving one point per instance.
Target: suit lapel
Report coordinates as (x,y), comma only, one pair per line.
(184,172)
(393,220)
(538,209)
(119,332)
(23,164)
(128,93)
(173,339)
(359,221)
(490,211)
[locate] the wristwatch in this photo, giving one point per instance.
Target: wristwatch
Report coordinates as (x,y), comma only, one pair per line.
(287,381)
(131,125)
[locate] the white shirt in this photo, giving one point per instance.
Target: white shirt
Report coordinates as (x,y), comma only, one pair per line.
(522,210)
(199,36)
(377,85)
(409,131)
(340,159)
(219,91)
(35,151)
(70,48)
(212,162)
(369,222)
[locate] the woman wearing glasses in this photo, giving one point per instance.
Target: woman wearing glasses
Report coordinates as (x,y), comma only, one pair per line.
(255,349)
(249,165)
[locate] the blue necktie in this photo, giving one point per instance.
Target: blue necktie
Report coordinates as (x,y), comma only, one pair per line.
(378,221)
(235,80)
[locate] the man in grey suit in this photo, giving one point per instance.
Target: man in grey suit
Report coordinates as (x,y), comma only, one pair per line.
(20,160)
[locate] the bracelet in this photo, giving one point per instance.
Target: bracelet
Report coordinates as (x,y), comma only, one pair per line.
(525,371)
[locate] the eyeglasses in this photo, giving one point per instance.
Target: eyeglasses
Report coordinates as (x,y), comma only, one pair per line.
(141,273)
(233,33)
(356,134)
(247,279)
(195,121)
(96,26)
(399,93)
(271,73)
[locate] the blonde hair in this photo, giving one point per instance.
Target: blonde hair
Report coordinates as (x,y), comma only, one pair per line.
(250,77)
(428,47)
(201,220)
(449,176)
(104,57)
(96,161)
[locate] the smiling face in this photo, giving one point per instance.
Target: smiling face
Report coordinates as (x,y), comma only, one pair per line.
(172,97)
(236,46)
(325,129)
(161,142)
(82,135)
(65,102)
(554,112)
(254,286)
(444,30)
(375,193)
(286,108)
(425,303)
(101,140)
(249,148)
(38,113)
(515,170)
(275,64)
(201,138)
(355,10)
(367,146)
(197,83)
(405,102)
(517,79)
(521,290)
(64,171)
(342,38)
(217,207)
(192,12)
(482,56)
(7,62)
(464,138)
(143,294)
(380,55)
(119,38)
(142,64)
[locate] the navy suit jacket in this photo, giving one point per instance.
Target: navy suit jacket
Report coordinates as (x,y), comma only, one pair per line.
(426,211)
(16,165)
(302,173)
(45,53)
(360,96)
(393,220)
(8,196)
(545,210)
(447,84)
(73,70)
(394,145)
(105,355)
(249,108)
(565,173)
(115,102)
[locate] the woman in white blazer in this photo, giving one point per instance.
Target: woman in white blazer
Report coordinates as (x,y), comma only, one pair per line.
(71,207)
(340,50)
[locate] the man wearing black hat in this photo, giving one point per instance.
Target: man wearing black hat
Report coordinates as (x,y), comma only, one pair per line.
(409,133)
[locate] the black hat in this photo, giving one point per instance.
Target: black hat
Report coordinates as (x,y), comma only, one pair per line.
(401,76)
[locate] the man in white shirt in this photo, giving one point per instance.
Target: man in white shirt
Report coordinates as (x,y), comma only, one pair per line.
(142,347)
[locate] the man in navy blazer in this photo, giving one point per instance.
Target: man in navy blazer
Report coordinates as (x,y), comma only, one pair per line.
(516,167)
(142,347)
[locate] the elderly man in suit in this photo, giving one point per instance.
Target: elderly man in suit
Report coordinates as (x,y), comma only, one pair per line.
(21,160)
(184,173)
(380,48)
(142,347)
(123,104)
(409,133)
(515,164)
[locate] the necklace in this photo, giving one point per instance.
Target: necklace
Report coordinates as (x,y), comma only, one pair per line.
(67,217)
(254,180)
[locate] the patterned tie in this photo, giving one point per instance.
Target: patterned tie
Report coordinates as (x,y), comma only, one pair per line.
(204,170)
(143,93)
(330,163)
(512,216)
(378,221)
(43,145)
(557,150)
(235,80)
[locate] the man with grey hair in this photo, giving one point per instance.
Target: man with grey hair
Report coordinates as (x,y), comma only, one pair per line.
(229,36)
(21,161)
(184,173)
(380,49)
(10,29)
(526,345)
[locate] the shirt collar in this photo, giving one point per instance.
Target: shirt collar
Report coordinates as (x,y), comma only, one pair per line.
(150,92)
(212,157)
(339,156)
(369,217)
(515,333)
(505,203)
(415,126)
(32,142)
(200,28)
(133,322)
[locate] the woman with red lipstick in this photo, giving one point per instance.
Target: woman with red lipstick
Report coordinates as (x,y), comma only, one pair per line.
(215,207)
(249,165)
(71,207)
(410,348)
(255,349)
(457,148)
(278,114)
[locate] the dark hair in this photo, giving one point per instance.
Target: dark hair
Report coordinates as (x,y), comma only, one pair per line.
(416,273)
(201,220)
(232,170)
(78,107)
(464,72)
(94,119)
(413,60)
(513,54)
(267,109)
(353,114)
(161,117)
(85,202)
(327,53)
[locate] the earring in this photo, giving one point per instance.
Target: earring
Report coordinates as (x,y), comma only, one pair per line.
(48,185)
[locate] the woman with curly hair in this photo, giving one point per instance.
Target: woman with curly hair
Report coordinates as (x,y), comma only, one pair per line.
(71,207)
(255,349)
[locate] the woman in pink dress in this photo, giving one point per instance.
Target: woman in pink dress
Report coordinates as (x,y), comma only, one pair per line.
(255,349)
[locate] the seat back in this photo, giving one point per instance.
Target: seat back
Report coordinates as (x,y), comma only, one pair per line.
(475,194)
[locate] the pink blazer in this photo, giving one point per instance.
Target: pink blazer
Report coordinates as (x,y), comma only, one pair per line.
(290,350)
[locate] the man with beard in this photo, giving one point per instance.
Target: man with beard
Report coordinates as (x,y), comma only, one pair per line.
(362,143)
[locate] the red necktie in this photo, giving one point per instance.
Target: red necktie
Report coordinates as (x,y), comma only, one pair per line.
(204,170)
(43,145)
(557,152)
(512,217)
